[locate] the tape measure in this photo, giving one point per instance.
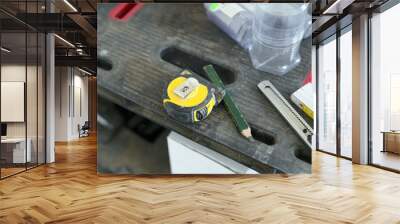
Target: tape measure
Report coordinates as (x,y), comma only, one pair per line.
(187,100)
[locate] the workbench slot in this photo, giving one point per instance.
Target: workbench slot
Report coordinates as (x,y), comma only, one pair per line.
(104,63)
(194,63)
(261,135)
(303,154)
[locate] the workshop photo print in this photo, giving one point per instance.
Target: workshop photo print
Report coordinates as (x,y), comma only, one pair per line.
(205,88)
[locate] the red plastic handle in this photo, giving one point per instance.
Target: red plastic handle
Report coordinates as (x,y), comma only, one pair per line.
(308,78)
(124,11)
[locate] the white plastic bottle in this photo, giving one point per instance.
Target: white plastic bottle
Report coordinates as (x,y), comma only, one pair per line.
(277,32)
(233,18)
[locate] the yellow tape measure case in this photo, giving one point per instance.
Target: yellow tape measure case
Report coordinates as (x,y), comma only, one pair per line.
(187,100)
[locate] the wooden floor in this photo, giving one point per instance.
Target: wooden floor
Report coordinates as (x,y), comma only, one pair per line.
(70,191)
(387,159)
(10,171)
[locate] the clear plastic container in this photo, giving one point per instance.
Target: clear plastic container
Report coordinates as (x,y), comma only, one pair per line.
(277,31)
(232,18)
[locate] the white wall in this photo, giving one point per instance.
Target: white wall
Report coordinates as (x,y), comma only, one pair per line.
(61,103)
(12,73)
(33,127)
(80,88)
(70,83)
(13,101)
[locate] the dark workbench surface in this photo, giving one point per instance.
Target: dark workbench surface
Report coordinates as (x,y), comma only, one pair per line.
(139,75)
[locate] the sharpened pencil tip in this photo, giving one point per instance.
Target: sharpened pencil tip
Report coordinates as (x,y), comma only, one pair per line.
(246,133)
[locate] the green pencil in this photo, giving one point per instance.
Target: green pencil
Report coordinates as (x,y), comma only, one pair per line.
(237,116)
